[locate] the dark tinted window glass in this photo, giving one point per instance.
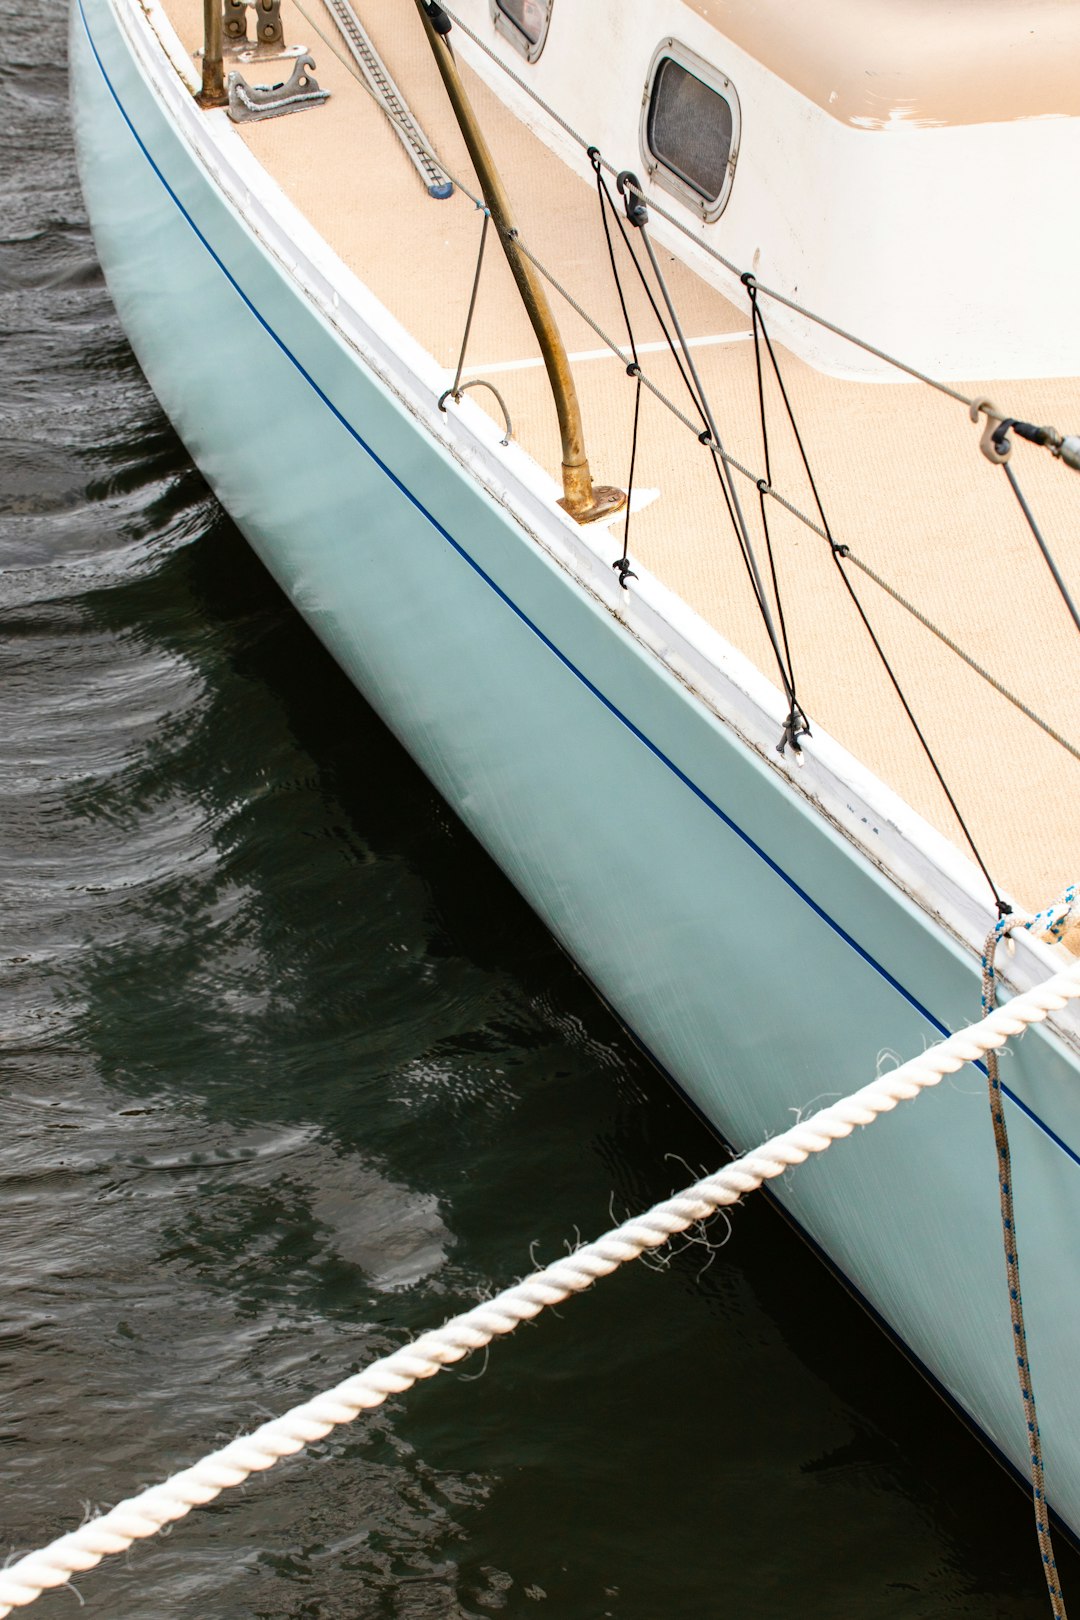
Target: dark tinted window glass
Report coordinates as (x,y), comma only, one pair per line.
(528,15)
(689,128)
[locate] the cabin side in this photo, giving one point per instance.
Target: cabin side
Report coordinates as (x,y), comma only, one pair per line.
(899,166)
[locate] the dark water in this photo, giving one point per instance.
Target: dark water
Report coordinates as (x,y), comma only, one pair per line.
(290,1073)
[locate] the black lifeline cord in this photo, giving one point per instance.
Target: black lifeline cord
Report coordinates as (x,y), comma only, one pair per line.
(630,187)
(705,437)
(637,214)
(622,564)
(839,552)
(797,722)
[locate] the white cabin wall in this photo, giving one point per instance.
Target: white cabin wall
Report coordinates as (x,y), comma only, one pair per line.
(954,247)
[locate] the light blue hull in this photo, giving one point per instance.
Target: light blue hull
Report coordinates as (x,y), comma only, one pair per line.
(754,951)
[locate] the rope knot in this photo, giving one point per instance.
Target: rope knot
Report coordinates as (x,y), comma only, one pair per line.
(1059,918)
(593,154)
(622,567)
(795,726)
(633,369)
(1000,438)
(629,188)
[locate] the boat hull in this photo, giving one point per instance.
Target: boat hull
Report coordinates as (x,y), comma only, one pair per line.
(761,958)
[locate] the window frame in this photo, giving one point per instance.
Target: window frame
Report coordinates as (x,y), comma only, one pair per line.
(714,79)
(505,25)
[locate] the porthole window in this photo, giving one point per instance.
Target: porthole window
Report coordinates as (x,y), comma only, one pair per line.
(524,23)
(690,128)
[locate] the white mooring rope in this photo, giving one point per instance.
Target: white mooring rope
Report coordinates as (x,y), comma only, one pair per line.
(144,1515)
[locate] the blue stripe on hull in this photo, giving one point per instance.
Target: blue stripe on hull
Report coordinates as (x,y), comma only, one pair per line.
(537,723)
(613,708)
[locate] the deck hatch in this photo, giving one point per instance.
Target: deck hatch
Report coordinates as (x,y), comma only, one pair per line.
(524,23)
(690,128)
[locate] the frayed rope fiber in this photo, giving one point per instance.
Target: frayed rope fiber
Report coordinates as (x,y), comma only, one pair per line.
(144,1515)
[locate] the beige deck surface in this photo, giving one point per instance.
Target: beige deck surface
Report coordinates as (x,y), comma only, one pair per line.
(902,480)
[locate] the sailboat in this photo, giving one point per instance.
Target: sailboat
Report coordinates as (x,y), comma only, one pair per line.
(666,415)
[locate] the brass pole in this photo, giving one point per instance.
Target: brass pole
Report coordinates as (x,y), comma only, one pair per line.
(581,499)
(212,93)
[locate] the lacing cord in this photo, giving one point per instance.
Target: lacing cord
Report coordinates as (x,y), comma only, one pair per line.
(622,563)
(795,511)
(839,553)
(764,486)
(796,723)
(954,647)
(709,436)
(641,377)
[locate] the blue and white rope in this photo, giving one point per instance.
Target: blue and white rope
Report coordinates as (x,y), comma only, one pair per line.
(1052,923)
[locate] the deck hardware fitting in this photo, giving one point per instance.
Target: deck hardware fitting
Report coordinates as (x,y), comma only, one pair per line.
(480,382)
(234,16)
(268,29)
(250,102)
(376,75)
(993,449)
(1068,451)
(269,34)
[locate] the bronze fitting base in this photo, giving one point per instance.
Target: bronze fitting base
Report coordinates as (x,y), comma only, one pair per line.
(605,502)
(212,95)
(586,502)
